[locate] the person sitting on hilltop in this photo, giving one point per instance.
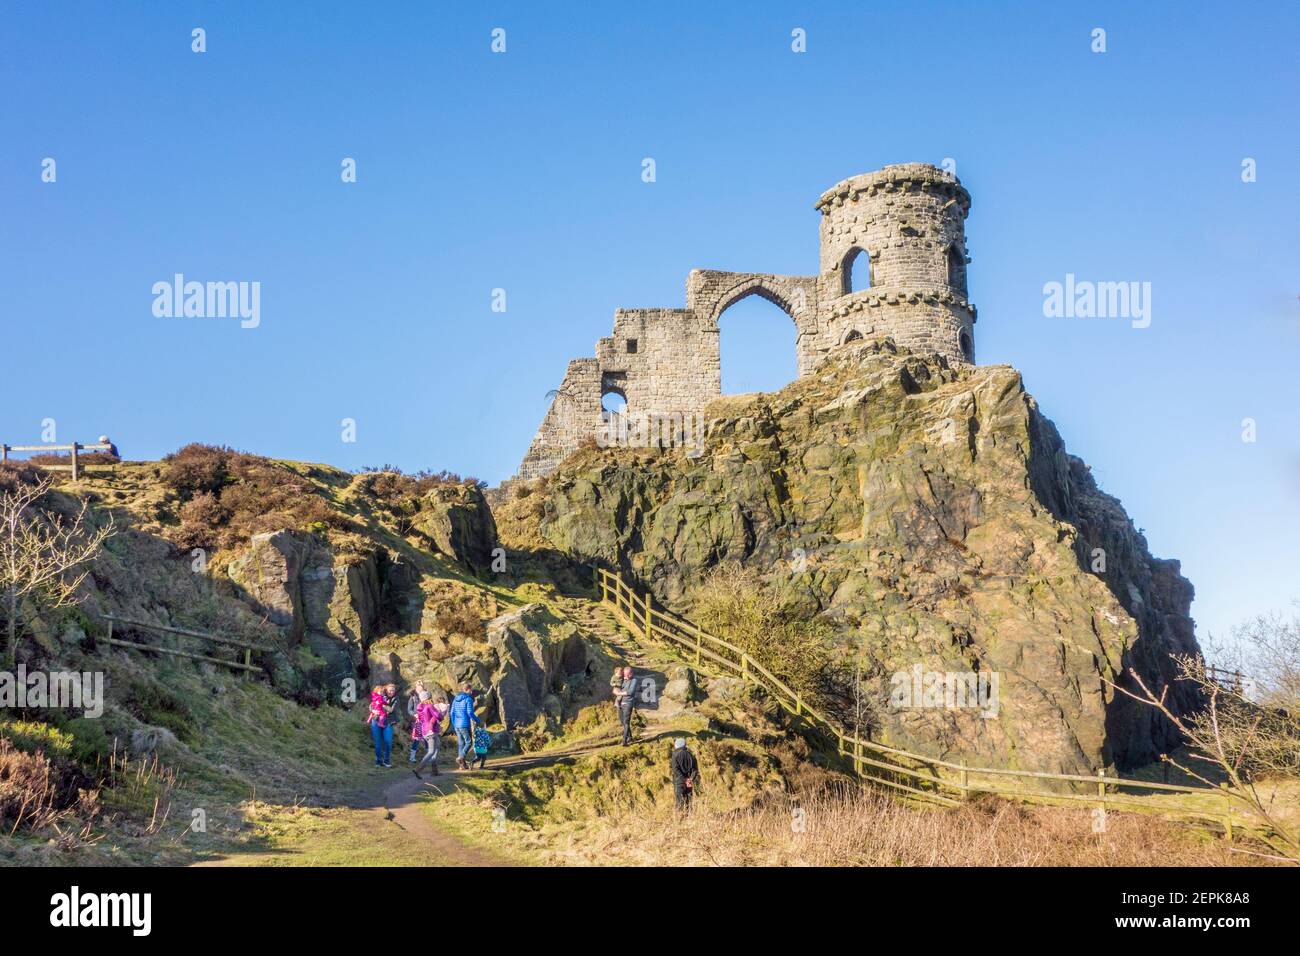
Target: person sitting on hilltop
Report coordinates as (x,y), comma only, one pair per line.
(112,449)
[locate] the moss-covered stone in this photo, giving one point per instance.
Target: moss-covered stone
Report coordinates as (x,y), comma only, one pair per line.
(932,514)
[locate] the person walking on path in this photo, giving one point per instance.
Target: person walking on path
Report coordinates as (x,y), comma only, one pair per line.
(428,724)
(482,744)
(412,705)
(383,708)
(686,774)
(463,721)
(625,699)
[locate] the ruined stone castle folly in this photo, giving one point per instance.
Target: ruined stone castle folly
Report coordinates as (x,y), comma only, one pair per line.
(893,263)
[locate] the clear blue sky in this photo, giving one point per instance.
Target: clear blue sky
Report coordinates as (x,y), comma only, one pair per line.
(522,171)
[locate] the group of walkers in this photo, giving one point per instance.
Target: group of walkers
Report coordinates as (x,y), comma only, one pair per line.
(429,719)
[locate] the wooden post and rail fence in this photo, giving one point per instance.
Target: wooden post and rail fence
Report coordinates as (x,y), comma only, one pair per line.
(74,465)
(927,778)
(245,665)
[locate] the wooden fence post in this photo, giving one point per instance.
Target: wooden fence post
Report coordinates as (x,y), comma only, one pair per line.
(647,616)
(4,452)
(1101,786)
(75,446)
(965,782)
(697,647)
(744,666)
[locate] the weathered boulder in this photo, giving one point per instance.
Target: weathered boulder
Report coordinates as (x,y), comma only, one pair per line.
(538,654)
(456,519)
(682,686)
(152,740)
(406,659)
(333,605)
(931,515)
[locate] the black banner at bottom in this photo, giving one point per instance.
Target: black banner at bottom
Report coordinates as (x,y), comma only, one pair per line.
(211,905)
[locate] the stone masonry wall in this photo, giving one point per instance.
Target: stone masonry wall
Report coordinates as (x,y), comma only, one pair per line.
(893,264)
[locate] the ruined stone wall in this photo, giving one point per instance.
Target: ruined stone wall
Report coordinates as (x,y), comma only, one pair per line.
(892,263)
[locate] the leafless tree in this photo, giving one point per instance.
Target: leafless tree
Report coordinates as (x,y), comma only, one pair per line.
(1234,737)
(41,552)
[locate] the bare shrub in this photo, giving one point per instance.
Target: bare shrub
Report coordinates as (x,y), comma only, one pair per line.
(198,468)
(1234,737)
(17,474)
(462,621)
(44,555)
(228,496)
(35,793)
(732,605)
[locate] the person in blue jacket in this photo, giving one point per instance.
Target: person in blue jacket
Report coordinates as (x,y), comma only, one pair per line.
(464,720)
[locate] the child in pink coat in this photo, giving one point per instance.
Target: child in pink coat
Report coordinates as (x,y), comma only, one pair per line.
(428,728)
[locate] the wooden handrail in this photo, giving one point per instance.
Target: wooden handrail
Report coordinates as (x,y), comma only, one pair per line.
(248,647)
(640,617)
(183,632)
(74,466)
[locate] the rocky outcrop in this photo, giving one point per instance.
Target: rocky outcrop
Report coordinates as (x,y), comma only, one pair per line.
(456,520)
(333,606)
(533,663)
(930,513)
(537,655)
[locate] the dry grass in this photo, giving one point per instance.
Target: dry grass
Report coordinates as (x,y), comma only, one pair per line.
(850,827)
(39,793)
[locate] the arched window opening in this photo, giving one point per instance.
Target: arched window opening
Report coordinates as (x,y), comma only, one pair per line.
(756,345)
(613,392)
(956,270)
(967,347)
(853,336)
(613,400)
(858,270)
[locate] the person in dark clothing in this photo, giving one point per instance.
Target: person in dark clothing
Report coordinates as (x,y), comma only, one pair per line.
(686,774)
(625,698)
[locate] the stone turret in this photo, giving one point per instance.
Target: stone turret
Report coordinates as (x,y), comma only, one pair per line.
(893,260)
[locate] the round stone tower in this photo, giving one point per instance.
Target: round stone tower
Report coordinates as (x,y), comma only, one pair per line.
(893,260)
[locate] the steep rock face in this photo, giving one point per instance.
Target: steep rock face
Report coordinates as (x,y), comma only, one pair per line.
(537,655)
(456,519)
(332,605)
(931,513)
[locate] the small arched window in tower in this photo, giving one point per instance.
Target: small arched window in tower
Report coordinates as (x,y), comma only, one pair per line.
(857,269)
(956,270)
(967,349)
(853,336)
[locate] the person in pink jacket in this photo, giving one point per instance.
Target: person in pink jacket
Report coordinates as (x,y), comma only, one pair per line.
(428,727)
(383,707)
